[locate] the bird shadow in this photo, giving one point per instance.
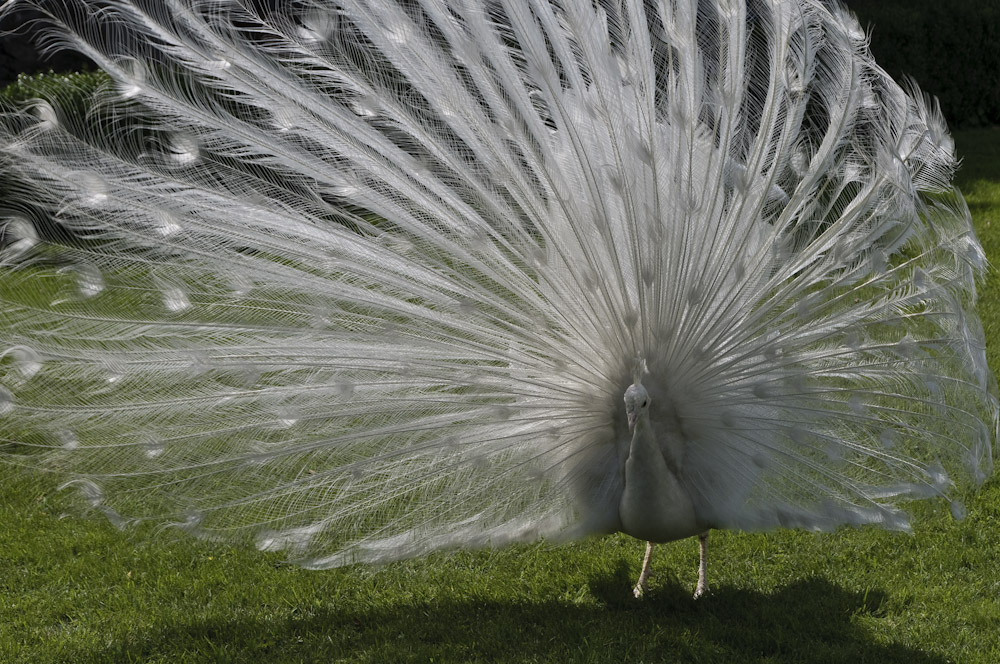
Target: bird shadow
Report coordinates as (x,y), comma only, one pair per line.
(810,620)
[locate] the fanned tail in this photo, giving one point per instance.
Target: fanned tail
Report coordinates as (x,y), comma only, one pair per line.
(364,281)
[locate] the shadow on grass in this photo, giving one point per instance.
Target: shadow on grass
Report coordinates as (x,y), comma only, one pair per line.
(977,208)
(805,621)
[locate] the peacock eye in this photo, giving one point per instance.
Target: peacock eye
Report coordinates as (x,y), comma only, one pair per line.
(645,403)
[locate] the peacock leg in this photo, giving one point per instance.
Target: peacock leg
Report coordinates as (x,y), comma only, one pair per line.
(702,587)
(640,585)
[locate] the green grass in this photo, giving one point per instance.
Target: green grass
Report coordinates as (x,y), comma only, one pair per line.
(80,591)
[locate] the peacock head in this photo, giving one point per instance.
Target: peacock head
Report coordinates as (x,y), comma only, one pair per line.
(636,403)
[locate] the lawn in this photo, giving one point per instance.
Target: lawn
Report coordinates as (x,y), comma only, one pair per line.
(81,591)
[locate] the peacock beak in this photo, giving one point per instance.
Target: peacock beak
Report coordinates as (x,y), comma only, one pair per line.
(632,417)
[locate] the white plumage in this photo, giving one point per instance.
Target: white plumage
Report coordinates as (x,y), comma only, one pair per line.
(359,280)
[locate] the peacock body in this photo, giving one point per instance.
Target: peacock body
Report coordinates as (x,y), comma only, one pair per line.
(359,280)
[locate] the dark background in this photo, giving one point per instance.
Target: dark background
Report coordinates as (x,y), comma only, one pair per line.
(951,47)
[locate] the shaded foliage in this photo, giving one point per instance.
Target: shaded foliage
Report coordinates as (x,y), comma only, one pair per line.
(952,49)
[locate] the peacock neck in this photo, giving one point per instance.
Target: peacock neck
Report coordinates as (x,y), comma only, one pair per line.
(654,505)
